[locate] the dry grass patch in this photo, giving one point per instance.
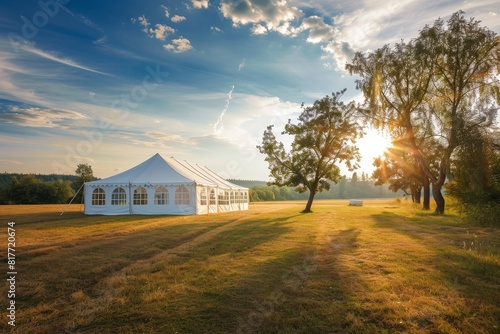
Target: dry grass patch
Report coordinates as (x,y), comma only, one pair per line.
(385,267)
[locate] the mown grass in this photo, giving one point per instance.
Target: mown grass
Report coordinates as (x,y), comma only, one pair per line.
(386,267)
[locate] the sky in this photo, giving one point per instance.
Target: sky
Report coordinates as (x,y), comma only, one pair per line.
(111,83)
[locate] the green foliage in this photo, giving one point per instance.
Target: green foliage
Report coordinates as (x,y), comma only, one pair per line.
(29,190)
(323,137)
(431,92)
(354,178)
(248,183)
(5,178)
(342,185)
(84,174)
(344,189)
(400,171)
(478,188)
(487,214)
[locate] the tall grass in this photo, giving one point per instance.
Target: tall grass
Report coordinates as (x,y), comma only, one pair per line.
(386,267)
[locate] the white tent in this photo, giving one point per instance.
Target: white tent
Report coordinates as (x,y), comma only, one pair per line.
(164,186)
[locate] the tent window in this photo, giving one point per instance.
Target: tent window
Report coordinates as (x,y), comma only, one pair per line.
(203,197)
(212,197)
(223,197)
(140,196)
(161,196)
(119,197)
(99,197)
(233,197)
(182,196)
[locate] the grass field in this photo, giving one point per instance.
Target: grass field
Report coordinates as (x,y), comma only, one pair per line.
(386,267)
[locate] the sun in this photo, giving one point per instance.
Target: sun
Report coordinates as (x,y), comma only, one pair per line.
(377,142)
(373,144)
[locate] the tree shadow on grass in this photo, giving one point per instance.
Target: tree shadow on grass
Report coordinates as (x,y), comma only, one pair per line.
(57,272)
(236,242)
(299,289)
(462,264)
(246,236)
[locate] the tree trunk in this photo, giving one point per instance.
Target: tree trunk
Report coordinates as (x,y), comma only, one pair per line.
(427,193)
(309,202)
(438,198)
(418,192)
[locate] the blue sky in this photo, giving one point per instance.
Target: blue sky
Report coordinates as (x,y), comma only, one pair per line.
(111,83)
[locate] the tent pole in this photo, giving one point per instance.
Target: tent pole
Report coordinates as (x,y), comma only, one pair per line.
(130,198)
(66,208)
(83,199)
(195,199)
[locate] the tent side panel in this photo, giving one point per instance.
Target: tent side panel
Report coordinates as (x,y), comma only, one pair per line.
(202,194)
(154,206)
(147,205)
(102,207)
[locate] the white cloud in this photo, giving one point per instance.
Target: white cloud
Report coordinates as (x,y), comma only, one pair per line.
(178,45)
(178,18)
(83,18)
(258,29)
(41,117)
(219,125)
(161,31)
(341,52)
(167,14)
(143,21)
(319,31)
(217,29)
(10,162)
(266,14)
(101,40)
(9,88)
(199,4)
(251,114)
(361,28)
(166,137)
(56,58)
(241,65)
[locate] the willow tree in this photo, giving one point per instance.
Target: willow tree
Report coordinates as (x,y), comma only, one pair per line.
(435,87)
(323,137)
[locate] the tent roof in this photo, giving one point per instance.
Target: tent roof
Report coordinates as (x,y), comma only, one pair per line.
(159,170)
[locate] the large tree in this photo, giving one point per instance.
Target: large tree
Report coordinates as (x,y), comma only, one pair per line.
(323,137)
(436,87)
(84,174)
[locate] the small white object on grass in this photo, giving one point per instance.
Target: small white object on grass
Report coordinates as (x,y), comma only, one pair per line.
(356,202)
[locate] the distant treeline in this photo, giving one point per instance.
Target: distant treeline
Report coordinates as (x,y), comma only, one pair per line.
(18,188)
(36,189)
(5,178)
(59,189)
(346,188)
